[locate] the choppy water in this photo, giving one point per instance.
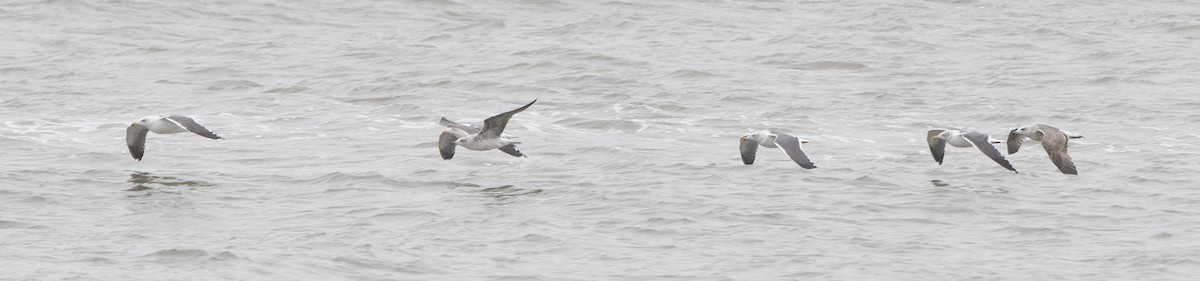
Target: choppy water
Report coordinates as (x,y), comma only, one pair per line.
(330,170)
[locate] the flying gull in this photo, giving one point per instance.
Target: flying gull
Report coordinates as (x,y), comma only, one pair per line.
(938,138)
(491,136)
(135,135)
(1051,138)
(774,139)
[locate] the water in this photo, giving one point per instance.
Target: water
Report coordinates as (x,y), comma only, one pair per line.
(330,170)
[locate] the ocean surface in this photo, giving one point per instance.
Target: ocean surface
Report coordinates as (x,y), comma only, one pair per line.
(330,170)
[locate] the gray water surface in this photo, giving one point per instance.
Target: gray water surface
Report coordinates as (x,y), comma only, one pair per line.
(330,169)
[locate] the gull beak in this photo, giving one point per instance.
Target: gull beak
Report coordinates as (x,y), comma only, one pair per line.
(804,141)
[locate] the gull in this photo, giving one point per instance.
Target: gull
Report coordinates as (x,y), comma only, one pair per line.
(774,139)
(1051,138)
(938,138)
(135,135)
(491,136)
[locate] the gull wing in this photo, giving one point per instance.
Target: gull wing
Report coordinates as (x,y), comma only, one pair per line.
(193,126)
(749,148)
(1014,141)
(1055,143)
(135,138)
(466,128)
(936,147)
(983,143)
(494,126)
(446,143)
(791,145)
(511,149)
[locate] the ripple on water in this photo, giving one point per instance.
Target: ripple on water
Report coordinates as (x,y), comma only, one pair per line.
(190,255)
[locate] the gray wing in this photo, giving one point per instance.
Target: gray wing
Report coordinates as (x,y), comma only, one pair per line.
(980,140)
(749,148)
(1055,143)
(936,147)
(446,144)
(1014,141)
(494,126)
(467,128)
(791,145)
(193,126)
(511,149)
(135,138)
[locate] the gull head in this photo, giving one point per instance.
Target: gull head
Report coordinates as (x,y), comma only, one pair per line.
(145,121)
(1023,130)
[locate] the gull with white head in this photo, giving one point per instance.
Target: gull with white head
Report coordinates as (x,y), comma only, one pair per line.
(774,139)
(491,136)
(1051,138)
(135,134)
(938,138)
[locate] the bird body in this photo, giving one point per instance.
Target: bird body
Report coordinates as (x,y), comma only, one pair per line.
(135,134)
(491,136)
(774,139)
(1053,140)
(939,138)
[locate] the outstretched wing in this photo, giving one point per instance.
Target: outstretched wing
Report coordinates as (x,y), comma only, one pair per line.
(937,147)
(791,145)
(1014,141)
(494,126)
(446,143)
(135,138)
(466,128)
(193,126)
(983,143)
(511,149)
(749,148)
(1055,143)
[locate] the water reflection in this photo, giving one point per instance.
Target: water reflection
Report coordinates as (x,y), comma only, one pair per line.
(508,192)
(145,181)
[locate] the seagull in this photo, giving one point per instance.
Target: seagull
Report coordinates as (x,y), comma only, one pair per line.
(135,135)
(774,139)
(491,136)
(1051,138)
(938,138)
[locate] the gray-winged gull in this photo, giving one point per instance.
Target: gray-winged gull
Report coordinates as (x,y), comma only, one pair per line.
(938,138)
(1051,138)
(774,139)
(135,135)
(491,136)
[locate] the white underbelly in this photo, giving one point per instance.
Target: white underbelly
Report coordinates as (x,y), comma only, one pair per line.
(165,127)
(484,144)
(959,142)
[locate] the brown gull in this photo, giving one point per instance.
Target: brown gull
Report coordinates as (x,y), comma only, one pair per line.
(491,136)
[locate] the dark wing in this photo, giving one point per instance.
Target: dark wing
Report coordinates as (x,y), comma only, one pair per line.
(193,126)
(1055,143)
(493,126)
(446,144)
(791,145)
(135,138)
(749,148)
(511,149)
(980,141)
(1014,141)
(936,147)
(467,128)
